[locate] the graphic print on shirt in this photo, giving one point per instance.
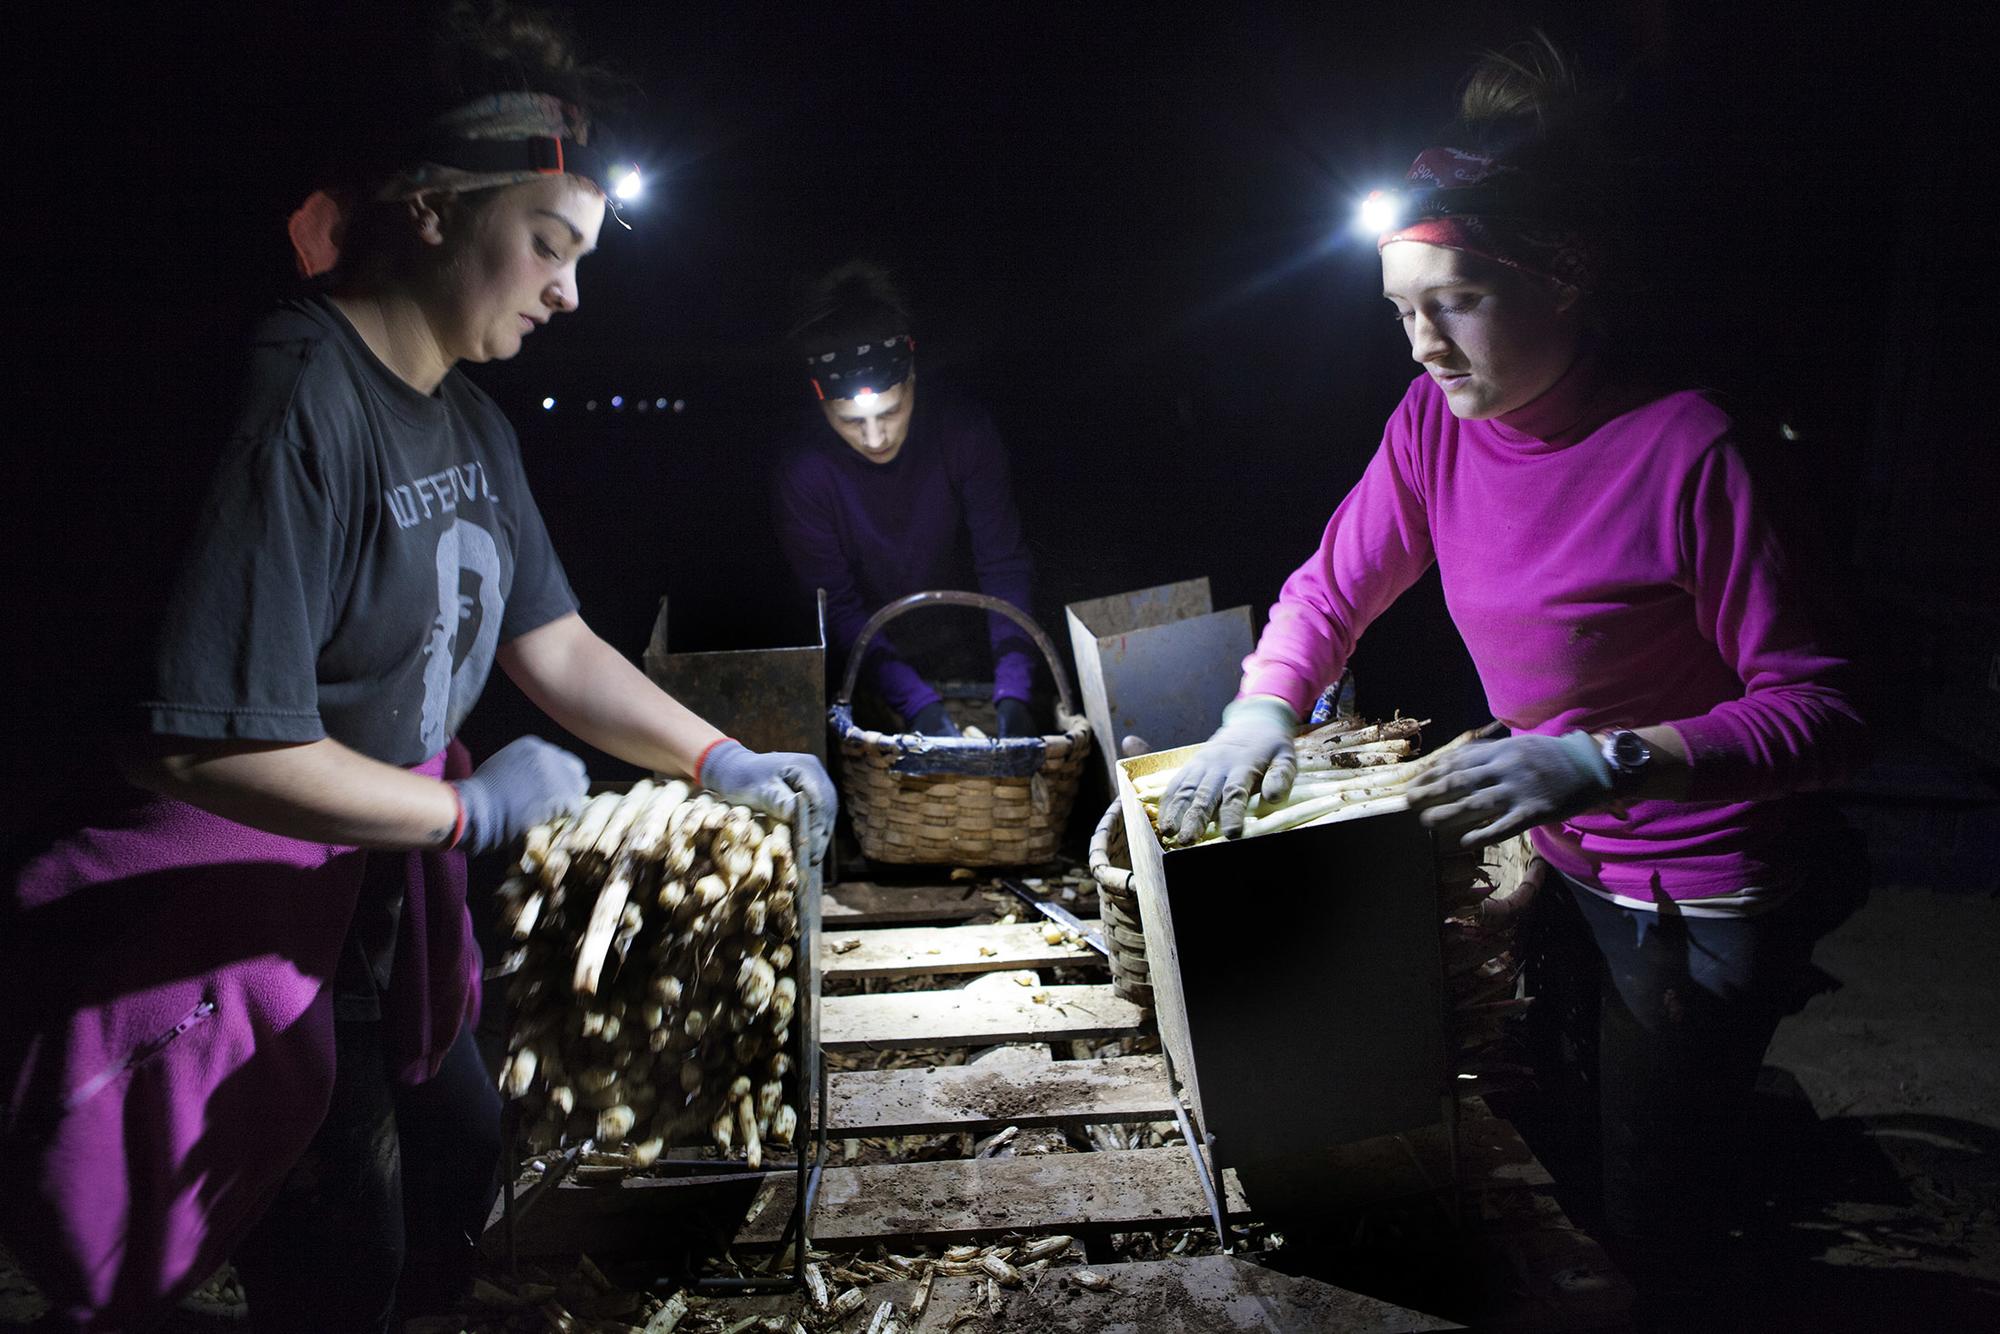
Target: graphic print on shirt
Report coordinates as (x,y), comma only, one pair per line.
(465,631)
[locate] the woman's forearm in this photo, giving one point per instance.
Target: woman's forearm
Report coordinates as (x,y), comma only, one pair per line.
(593,691)
(320,791)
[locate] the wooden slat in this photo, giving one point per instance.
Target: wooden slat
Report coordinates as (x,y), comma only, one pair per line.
(979,1098)
(1205,1292)
(974,1016)
(853,903)
(964,1199)
(917,951)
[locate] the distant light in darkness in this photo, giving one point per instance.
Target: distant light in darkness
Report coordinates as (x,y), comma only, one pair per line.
(548,405)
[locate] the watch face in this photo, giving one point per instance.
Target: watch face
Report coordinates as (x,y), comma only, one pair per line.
(1629,751)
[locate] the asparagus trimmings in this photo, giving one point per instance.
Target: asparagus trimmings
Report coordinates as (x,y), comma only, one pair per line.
(649,993)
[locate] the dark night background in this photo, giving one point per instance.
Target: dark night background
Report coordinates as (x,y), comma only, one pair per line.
(1122,226)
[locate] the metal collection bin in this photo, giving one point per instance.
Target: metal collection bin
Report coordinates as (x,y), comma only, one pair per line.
(1298,982)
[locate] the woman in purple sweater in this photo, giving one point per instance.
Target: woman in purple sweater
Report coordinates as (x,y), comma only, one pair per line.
(1637,626)
(875,498)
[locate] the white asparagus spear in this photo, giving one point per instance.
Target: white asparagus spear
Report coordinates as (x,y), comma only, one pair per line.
(622,815)
(1335,736)
(1153,786)
(604,916)
(581,833)
(1356,810)
(649,832)
(746,1123)
(531,911)
(1327,780)
(1360,757)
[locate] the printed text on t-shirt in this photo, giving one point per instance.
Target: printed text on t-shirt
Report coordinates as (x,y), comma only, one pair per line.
(438,493)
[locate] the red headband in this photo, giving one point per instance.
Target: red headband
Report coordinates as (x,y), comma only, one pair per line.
(1539,249)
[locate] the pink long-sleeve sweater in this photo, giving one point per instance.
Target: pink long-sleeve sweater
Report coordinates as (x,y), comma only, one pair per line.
(1607,561)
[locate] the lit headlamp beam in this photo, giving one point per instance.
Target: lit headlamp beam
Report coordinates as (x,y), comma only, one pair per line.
(1379,212)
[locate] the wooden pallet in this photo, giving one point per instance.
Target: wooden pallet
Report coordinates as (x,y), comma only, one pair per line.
(1551,1275)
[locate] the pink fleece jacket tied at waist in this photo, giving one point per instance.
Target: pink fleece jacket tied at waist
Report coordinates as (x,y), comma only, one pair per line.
(1609,563)
(168,1052)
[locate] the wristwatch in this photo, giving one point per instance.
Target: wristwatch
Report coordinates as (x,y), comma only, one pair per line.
(1628,755)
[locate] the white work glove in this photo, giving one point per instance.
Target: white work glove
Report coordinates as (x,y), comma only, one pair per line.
(1492,790)
(773,782)
(1250,752)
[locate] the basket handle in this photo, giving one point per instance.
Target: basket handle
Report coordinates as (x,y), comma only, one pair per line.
(1110,830)
(949,597)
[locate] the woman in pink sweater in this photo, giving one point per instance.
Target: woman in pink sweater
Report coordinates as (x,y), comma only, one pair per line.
(1636,624)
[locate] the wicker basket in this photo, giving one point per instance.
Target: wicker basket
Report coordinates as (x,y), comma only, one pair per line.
(1118,906)
(923,799)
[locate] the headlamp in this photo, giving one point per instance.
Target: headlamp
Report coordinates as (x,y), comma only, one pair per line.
(862,372)
(1379,212)
(1386,210)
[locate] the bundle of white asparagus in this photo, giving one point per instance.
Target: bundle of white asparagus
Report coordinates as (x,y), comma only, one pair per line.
(1347,769)
(651,986)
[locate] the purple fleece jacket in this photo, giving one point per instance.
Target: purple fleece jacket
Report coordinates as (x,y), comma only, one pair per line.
(1608,563)
(869,533)
(167,1051)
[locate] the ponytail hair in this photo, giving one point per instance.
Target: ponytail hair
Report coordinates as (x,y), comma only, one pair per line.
(858,301)
(1531,83)
(1532,111)
(1529,107)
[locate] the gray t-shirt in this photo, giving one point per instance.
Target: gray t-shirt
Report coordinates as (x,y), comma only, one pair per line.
(363,550)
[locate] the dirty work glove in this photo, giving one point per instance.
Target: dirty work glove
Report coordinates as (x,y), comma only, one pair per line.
(1251,753)
(524,783)
(932,720)
(1016,718)
(1493,790)
(772,782)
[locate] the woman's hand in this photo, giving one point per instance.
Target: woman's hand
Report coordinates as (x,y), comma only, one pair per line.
(1250,752)
(773,782)
(591,689)
(932,720)
(1487,791)
(525,783)
(1016,718)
